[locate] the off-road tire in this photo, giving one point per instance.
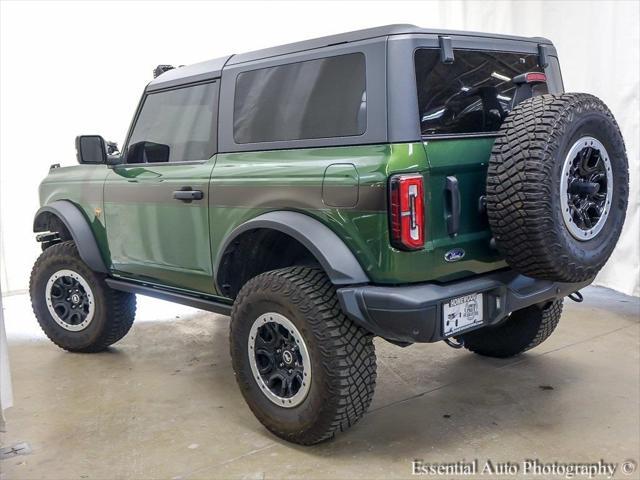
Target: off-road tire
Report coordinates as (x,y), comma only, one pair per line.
(523,186)
(114,310)
(342,355)
(522,331)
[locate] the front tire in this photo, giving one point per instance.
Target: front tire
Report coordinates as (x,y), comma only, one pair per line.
(305,370)
(74,306)
(522,331)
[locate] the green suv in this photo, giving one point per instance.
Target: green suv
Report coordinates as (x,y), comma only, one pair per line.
(410,184)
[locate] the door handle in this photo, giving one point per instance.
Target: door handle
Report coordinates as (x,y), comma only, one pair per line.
(452,203)
(187,194)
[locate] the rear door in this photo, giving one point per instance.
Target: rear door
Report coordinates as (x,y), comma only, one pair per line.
(462,105)
(156,204)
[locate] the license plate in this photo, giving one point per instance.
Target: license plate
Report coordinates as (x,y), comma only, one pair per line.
(461,313)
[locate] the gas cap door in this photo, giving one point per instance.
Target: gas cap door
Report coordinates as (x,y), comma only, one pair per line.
(340,185)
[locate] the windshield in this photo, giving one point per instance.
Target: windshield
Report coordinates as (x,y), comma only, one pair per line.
(471,95)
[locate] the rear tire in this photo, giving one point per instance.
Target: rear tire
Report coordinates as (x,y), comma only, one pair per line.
(305,370)
(522,331)
(74,306)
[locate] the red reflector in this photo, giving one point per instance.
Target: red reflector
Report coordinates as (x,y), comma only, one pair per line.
(535,77)
(407,211)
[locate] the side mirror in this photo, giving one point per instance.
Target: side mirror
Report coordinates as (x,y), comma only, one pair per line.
(91,149)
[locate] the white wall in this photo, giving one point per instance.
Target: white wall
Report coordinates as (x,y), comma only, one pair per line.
(79,67)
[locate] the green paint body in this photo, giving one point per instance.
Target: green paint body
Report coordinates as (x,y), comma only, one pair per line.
(147,235)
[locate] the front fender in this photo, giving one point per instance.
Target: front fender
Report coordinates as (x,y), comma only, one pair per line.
(340,265)
(78,227)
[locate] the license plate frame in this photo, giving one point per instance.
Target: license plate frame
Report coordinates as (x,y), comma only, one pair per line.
(462,313)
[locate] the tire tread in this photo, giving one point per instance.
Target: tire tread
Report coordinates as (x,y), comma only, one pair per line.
(121,306)
(519,186)
(348,353)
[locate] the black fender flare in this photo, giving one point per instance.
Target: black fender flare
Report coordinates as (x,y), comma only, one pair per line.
(79,228)
(339,263)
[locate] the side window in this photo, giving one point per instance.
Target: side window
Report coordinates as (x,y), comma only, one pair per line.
(176,125)
(471,95)
(312,99)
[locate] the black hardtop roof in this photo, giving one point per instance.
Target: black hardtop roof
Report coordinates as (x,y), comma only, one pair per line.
(213,68)
(384,31)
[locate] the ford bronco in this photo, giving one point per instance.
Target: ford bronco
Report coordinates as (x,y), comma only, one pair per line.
(410,184)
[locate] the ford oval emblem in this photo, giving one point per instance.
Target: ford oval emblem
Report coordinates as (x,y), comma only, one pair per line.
(454,255)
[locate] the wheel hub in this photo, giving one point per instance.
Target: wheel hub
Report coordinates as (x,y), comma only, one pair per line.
(586,188)
(279,360)
(70,300)
(287,356)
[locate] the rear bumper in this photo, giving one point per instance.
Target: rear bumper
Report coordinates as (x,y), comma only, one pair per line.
(413,313)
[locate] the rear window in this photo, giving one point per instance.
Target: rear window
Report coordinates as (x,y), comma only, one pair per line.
(471,95)
(313,99)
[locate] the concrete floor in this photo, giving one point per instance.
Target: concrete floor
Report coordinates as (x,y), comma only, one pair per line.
(163,403)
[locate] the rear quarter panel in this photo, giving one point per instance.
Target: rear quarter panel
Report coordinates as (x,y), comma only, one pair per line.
(247,184)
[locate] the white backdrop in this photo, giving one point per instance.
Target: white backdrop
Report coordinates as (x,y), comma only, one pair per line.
(70,68)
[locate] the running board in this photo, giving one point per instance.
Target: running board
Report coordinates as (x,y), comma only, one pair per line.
(189,300)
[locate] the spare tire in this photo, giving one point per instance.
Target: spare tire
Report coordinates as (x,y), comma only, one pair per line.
(557,187)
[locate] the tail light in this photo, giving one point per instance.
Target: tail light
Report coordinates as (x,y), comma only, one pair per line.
(530,77)
(407,211)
